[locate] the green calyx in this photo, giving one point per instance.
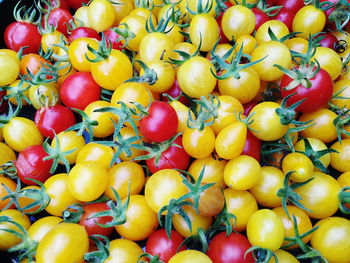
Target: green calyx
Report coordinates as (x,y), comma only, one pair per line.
(27,247)
(39,196)
(261,255)
(73,213)
(273,37)
(117,210)
(124,33)
(342,120)
(103,51)
(271,11)
(102,252)
(185,56)
(57,155)
(205,111)
(46,74)
(287,193)
(85,125)
(162,26)
(200,8)
(21,14)
(5,119)
(146,4)
(149,76)
(150,258)
(233,68)
(17,92)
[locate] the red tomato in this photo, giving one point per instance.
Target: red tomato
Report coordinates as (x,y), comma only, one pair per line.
(229,249)
(260,17)
(317,96)
(286,16)
(75,4)
(83,32)
(328,40)
(173,157)
(79,90)
(52,119)
(30,164)
(161,122)
(175,92)
(158,243)
(59,18)
(292,5)
(113,36)
(252,146)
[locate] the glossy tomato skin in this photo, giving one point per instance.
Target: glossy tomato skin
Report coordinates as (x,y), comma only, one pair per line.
(328,40)
(293,5)
(52,119)
(75,4)
(161,122)
(79,90)
(286,16)
(173,157)
(21,34)
(30,164)
(89,222)
(83,32)
(113,36)
(260,17)
(158,243)
(59,18)
(317,96)
(229,249)
(175,92)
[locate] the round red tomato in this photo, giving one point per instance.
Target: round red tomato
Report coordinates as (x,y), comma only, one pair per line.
(161,122)
(59,18)
(316,96)
(83,32)
(79,90)
(229,249)
(252,146)
(158,243)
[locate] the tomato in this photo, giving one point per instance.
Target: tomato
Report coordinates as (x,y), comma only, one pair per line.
(163,186)
(242,172)
(21,133)
(265,229)
(33,63)
(50,40)
(4,181)
(141,220)
(87,181)
(299,164)
(59,18)
(309,20)
(39,228)
(155,46)
(302,219)
(30,165)
(99,153)
(260,17)
(331,239)
(123,251)
(340,160)
(101,15)
(158,243)
(43,94)
(229,249)
(128,132)
(69,140)
(320,195)
(22,34)
(213,169)
(105,126)
(236,21)
(119,177)
(278,28)
(70,242)
(190,256)
(198,144)
(8,240)
(10,68)
(7,154)
(329,60)
(343,87)
(173,157)
(56,187)
(75,4)
(136,25)
(83,31)
(195,78)
(252,146)
(183,113)
(90,222)
(79,90)
(286,17)
(265,191)
(112,72)
(323,129)
(242,204)
(284,256)
(122,8)
(273,52)
(211,201)
(52,119)
(77,50)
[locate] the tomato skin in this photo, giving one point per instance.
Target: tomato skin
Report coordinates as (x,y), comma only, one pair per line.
(319,93)
(43,225)
(30,164)
(198,144)
(4,181)
(161,122)
(260,17)
(75,4)
(173,157)
(190,256)
(96,152)
(286,16)
(52,119)
(83,32)
(67,242)
(265,229)
(229,249)
(123,251)
(308,20)
(79,90)
(59,18)
(90,223)
(252,146)
(299,164)
(158,243)
(21,34)
(101,15)
(331,239)
(113,36)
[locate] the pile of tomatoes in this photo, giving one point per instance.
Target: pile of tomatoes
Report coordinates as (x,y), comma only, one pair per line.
(176,131)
